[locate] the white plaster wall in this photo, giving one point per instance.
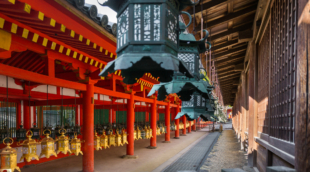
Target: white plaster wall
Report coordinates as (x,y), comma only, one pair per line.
(11,83)
(43,89)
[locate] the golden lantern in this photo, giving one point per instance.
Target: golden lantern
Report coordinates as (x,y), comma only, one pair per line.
(97,142)
(8,157)
(104,140)
(118,140)
(158,131)
(29,147)
(150,131)
(181,125)
(137,134)
(76,145)
(124,137)
(111,138)
(47,145)
(63,142)
(147,132)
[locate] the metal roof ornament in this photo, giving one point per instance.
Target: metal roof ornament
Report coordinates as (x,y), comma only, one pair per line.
(147,39)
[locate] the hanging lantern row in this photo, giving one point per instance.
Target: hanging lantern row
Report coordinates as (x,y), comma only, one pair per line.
(181,125)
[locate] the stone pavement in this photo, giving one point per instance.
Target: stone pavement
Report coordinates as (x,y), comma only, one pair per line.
(225,154)
(191,160)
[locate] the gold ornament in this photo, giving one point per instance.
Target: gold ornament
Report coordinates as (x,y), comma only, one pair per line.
(104,140)
(76,145)
(63,142)
(111,138)
(118,138)
(137,133)
(8,157)
(158,131)
(97,142)
(150,131)
(147,132)
(124,137)
(47,145)
(29,147)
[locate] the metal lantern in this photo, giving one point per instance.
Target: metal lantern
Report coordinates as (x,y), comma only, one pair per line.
(29,147)
(158,131)
(147,132)
(21,133)
(63,142)
(181,125)
(188,52)
(137,134)
(104,140)
(52,133)
(150,131)
(111,138)
(118,139)
(143,133)
(124,136)
(47,145)
(4,133)
(8,157)
(76,145)
(97,145)
(147,39)
(77,129)
(36,132)
(57,130)
(99,129)
(194,108)
(70,132)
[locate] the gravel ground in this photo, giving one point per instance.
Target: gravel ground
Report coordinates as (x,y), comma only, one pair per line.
(225,154)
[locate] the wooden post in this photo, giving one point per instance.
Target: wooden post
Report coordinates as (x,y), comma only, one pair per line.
(130,128)
(184,123)
(88,102)
(177,121)
(167,123)
(153,124)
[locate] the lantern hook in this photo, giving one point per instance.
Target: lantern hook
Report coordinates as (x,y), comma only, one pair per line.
(189,16)
(8,143)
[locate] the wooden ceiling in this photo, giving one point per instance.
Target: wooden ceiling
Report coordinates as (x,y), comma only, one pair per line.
(229,23)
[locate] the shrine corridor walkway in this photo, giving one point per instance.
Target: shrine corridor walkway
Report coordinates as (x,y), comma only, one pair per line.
(109,159)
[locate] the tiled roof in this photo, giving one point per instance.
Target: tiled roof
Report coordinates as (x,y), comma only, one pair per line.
(91,12)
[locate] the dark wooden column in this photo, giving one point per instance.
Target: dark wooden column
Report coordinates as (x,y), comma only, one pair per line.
(302,122)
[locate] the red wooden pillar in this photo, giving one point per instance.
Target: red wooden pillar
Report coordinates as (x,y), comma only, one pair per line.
(167,123)
(26,120)
(130,127)
(190,127)
(184,123)
(177,121)
(194,126)
(153,124)
(18,114)
(88,127)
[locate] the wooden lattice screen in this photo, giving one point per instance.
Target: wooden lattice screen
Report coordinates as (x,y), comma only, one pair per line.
(283,69)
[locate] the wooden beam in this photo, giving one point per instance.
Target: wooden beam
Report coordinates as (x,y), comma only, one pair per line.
(230,52)
(234,30)
(225,45)
(241,13)
(207,6)
(245,36)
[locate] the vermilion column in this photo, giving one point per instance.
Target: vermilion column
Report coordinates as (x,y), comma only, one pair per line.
(130,127)
(184,122)
(167,123)
(194,126)
(190,127)
(177,121)
(153,124)
(88,133)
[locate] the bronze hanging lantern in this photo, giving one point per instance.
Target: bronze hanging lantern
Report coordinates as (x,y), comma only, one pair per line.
(147,39)
(104,140)
(97,145)
(4,132)
(124,136)
(29,147)
(111,138)
(188,52)
(21,133)
(118,139)
(8,157)
(47,145)
(76,145)
(36,132)
(63,142)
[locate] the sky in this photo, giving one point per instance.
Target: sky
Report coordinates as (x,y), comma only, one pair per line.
(104,10)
